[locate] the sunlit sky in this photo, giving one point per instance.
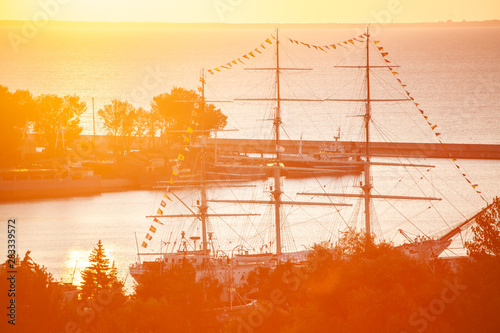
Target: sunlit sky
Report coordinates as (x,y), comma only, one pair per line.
(252,11)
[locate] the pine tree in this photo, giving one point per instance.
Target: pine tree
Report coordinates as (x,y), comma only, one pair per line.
(99,275)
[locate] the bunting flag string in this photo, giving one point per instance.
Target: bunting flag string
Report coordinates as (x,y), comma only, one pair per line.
(175,173)
(259,49)
(432,126)
(329,47)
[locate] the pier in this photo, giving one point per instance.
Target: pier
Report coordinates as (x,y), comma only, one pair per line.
(382,149)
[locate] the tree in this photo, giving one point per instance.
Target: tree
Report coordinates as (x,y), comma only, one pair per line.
(141,125)
(486,239)
(153,126)
(119,120)
(176,108)
(99,275)
(173,301)
(16,111)
(55,114)
(36,295)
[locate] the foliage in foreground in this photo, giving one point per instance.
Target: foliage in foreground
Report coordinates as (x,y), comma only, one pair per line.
(354,286)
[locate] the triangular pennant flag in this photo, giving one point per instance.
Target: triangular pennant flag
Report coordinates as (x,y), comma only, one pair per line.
(326,47)
(403,85)
(376,41)
(433,127)
(475,185)
(157,221)
(217,69)
(437,134)
(224,67)
(166,196)
(319,47)
(357,40)
(315,47)
(239,59)
(387,61)
(345,42)
(333,46)
(229,64)
(160,212)
(210,71)
(291,40)
(350,41)
(394,73)
(269,41)
(256,50)
(262,45)
(251,53)
(361,36)
(384,54)
(380,48)
(246,56)
(234,62)
(408,93)
(421,111)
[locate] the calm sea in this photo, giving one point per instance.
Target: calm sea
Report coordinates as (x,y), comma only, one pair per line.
(453,73)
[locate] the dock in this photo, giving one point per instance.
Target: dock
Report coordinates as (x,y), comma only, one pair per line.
(382,149)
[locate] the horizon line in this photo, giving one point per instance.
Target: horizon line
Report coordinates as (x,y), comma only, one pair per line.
(254,23)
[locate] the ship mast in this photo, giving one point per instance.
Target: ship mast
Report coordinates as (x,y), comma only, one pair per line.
(277,174)
(204,205)
(367,187)
(368,184)
(277,166)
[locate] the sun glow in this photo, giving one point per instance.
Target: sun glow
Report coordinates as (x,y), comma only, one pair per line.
(75,263)
(251,11)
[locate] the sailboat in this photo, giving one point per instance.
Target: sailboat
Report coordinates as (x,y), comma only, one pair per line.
(232,266)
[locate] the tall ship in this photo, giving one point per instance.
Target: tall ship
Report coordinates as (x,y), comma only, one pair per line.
(227,238)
